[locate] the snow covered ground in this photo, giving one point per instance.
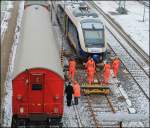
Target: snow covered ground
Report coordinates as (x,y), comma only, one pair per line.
(5,15)
(7,106)
(132,21)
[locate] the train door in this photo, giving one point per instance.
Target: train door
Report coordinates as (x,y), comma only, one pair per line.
(36,93)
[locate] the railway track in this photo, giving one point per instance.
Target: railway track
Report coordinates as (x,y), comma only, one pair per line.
(111,103)
(138,74)
(97,105)
(136,69)
(144,2)
(78,118)
(122,33)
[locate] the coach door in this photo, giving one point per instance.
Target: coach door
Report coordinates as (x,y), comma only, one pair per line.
(36,93)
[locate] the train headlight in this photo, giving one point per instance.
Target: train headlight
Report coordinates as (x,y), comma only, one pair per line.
(19,97)
(55,110)
(21,110)
(56,97)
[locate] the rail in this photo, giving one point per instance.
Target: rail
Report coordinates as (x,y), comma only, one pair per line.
(129,41)
(78,118)
(96,121)
(129,53)
(112,108)
(122,33)
(97,124)
(144,2)
(132,76)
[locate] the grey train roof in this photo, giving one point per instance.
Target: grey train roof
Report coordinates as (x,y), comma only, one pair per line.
(78,12)
(80,8)
(37,45)
(44,2)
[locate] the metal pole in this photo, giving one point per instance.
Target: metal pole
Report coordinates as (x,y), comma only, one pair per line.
(119,4)
(144,13)
(124,4)
(51,11)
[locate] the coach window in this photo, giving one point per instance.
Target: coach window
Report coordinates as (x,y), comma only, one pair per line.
(36,87)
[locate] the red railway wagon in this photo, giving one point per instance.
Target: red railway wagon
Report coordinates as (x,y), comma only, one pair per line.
(38,83)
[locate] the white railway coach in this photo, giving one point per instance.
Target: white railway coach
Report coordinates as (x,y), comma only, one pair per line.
(83,27)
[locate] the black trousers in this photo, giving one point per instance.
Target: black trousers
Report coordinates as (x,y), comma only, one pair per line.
(69,102)
(69,99)
(76,100)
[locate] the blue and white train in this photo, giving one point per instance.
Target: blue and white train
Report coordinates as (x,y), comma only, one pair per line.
(83,28)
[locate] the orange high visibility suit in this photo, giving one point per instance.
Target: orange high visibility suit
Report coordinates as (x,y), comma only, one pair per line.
(115,66)
(90,65)
(106,72)
(76,88)
(72,67)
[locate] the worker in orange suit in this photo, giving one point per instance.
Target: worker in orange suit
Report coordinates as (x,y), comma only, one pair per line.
(115,66)
(90,75)
(90,63)
(72,68)
(106,72)
(76,89)
(90,68)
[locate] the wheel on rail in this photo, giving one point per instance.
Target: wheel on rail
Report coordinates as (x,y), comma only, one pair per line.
(18,123)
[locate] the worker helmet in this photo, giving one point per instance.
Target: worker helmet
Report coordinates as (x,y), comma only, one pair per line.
(75,82)
(89,57)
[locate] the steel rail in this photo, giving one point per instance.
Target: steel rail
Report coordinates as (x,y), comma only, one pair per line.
(93,114)
(122,33)
(79,121)
(133,59)
(110,104)
(144,2)
(97,124)
(131,75)
(147,74)
(113,109)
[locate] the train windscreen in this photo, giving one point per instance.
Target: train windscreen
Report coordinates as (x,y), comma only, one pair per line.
(93,34)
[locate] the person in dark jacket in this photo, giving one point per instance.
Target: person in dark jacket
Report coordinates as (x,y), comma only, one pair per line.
(69,91)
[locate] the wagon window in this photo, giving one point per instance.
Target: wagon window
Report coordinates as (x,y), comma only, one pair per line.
(36,87)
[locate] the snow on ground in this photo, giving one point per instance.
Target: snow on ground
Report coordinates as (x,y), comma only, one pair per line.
(8,98)
(132,22)
(5,15)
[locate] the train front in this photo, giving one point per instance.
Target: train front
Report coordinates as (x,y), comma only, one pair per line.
(94,39)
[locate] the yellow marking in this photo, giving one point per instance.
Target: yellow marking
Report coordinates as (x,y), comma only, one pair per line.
(96,91)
